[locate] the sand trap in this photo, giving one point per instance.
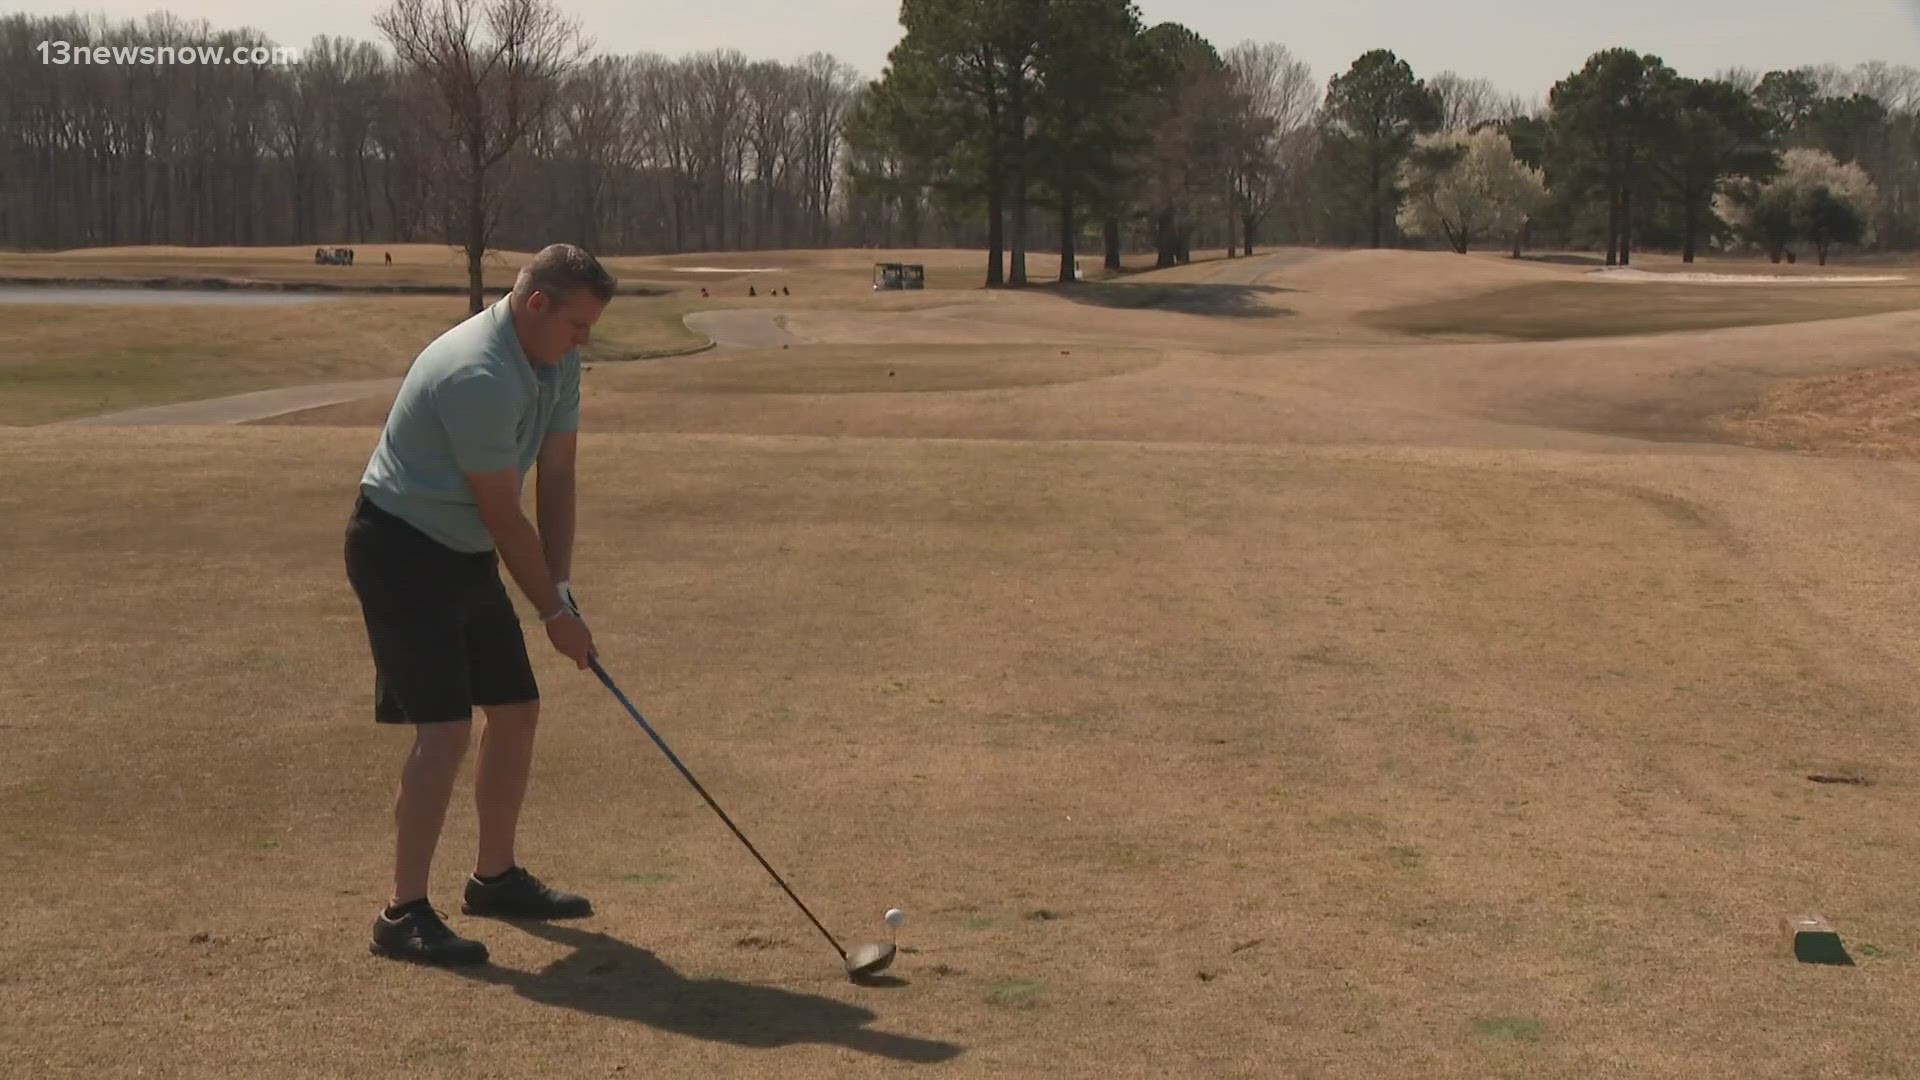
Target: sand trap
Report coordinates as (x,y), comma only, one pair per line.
(733,329)
(1627,273)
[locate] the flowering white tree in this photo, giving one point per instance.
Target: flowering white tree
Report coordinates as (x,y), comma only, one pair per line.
(1465,187)
(1815,198)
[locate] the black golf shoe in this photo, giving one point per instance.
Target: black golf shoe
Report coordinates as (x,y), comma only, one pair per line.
(418,933)
(517,894)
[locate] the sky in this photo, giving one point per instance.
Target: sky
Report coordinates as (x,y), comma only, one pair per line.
(1523,48)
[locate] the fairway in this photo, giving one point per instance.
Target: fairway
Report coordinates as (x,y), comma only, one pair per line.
(70,361)
(1324,664)
(1564,310)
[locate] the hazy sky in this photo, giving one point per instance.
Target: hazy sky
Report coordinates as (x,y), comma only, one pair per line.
(1523,48)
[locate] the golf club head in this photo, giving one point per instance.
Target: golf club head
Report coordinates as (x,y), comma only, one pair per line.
(869,960)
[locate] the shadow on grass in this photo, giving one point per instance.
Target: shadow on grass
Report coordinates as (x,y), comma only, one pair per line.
(1192,298)
(1567,260)
(604,976)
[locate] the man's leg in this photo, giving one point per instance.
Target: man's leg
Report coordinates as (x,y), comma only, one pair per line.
(408,927)
(500,887)
(504,686)
(426,788)
(407,586)
(500,782)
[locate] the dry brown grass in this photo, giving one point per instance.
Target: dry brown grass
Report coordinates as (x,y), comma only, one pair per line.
(1873,412)
(1324,762)
(1561,310)
(1250,698)
(68,361)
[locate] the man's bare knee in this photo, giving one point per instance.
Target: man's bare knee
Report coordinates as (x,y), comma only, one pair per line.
(442,742)
(520,716)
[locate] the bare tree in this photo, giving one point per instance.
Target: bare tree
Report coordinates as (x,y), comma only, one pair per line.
(496,66)
(343,79)
(406,146)
(1745,79)
(103,153)
(296,133)
(1896,87)
(592,139)
(718,98)
(1279,89)
(165,125)
(1466,104)
(1201,130)
(350,145)
(661,121)
(771,124)
(231,122)
(827,92)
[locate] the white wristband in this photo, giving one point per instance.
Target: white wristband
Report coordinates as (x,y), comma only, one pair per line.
(567,607)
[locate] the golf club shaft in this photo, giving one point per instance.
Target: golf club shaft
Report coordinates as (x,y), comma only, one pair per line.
(684,771)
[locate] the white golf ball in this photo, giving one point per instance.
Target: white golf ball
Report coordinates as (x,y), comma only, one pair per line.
(895,917)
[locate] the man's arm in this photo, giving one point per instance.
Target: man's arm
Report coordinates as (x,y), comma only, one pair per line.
(498,497)
(479,418)
(554,499)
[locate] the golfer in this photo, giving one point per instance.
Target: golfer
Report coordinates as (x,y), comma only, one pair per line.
(438,512)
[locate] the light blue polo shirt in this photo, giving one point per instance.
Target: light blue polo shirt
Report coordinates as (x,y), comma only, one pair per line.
(471,403)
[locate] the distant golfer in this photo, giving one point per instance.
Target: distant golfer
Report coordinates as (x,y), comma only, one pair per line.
(438,512)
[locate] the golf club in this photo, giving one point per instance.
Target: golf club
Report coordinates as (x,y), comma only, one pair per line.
(862,962)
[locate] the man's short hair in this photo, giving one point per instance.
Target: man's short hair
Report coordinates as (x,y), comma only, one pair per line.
(559,269)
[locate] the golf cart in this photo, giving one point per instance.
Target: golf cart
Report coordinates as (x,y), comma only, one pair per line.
(899,276)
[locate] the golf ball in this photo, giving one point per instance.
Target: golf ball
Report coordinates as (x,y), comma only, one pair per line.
(895,917)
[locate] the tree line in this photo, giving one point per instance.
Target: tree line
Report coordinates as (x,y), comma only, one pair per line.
(996,107)
(367,142)
(1018,125)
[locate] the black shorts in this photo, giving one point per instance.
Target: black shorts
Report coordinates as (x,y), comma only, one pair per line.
(444,633)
